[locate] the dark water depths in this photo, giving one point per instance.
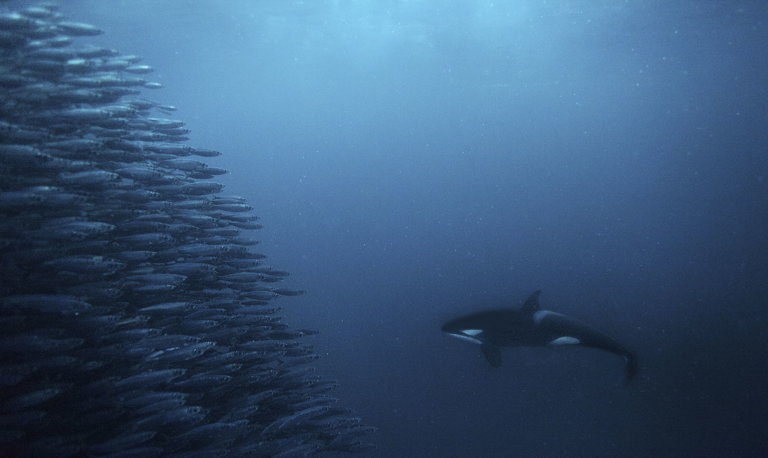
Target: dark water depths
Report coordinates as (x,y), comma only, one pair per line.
(415,160)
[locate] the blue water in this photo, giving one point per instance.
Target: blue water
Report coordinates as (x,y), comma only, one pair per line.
(415,160)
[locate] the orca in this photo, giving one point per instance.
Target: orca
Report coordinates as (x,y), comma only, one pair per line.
(532,326)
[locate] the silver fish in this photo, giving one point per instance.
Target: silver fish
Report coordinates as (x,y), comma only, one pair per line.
(126,275)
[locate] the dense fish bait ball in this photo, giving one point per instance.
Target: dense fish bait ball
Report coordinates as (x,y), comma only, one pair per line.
(135,320)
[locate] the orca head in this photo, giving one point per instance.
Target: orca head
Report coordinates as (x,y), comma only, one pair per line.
(463,329)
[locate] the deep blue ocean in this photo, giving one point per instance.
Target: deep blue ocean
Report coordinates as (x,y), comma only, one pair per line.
(412,161)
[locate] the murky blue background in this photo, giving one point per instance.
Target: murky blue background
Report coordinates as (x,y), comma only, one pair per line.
(414,160)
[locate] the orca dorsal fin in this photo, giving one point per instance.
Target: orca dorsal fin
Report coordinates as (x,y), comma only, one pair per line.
(531,304)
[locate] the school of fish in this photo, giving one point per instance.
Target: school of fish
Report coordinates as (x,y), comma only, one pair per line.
(136,319)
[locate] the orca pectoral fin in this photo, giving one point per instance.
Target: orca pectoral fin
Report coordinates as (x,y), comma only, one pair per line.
(492,353)
(631,366)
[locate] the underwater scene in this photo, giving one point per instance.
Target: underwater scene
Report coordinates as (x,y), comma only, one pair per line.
(383,228)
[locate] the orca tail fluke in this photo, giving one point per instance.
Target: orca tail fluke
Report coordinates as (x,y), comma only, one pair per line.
(631,366)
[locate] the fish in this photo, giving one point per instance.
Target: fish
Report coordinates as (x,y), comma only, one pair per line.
(136,320)
(532,326)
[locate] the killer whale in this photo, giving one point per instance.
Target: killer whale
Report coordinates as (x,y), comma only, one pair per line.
(532,326)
